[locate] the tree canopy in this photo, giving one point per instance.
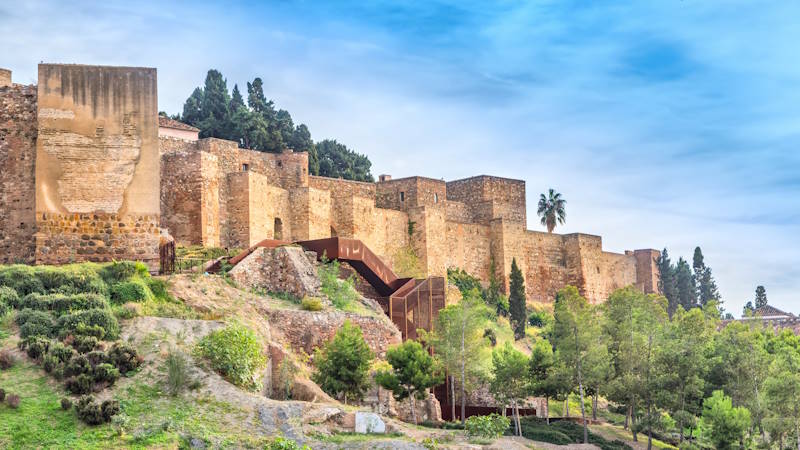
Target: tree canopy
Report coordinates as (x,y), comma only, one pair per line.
(258,125)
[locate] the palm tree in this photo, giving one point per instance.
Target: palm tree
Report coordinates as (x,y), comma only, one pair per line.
(551,210)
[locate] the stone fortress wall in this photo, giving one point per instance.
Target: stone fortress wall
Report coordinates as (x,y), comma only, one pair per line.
(86,176)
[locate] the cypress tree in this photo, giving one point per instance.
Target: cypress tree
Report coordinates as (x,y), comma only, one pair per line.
(216,107)
(193,108)
(705,285)
(666,281)
(516,301)
(685,284)
(237,102)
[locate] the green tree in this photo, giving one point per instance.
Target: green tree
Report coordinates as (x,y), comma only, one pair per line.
(783,385)
(543,375)
(517,301)
(414,371)
(685,284)
(216,120)
(761,297)
(683,366)
(727,424)
(748,309)
(193,108)
(338,161)
(705,285)
(509,381)
(551,209)
(459,343)
(343,364)
(237,102)
(255,96)
(575,332)
(666,281)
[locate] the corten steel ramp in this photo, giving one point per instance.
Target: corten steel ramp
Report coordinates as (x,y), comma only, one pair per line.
(410,303)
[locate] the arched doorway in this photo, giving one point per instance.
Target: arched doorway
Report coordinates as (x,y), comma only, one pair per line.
(277,233)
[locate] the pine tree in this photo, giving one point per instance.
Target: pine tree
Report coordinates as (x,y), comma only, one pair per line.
(666,281)
(193,108)
(413,372)
(237,102)
(761,297)
(216,107)
(516,301)
(705,285)
(255,96)
(684,282)
(343,364)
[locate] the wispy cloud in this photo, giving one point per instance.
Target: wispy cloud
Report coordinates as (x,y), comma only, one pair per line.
(663,123)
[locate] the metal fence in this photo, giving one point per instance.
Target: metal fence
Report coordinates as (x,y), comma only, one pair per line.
(419,307)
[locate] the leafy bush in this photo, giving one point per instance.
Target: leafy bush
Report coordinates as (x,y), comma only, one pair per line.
(76,322)
(159,288)
(60,351)
(7,360)
(84,344)
(343,364)
(124,357)
(565,432)
(177,372)
(35,317)
(35,346)
(49,363)
(62,303)
(281,443)
(8,299)
(105,373)
(21,278)
(341,293)
(119,271)
(71,279)
(539,319)
(487,427)
(92,413)
(13,401)
(135,290)
(82,384)
(66,404)
(311,304)
(96,358)
(77,365)
(235,352)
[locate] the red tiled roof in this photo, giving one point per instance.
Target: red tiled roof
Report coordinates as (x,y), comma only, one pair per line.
(770,311)
(166,122)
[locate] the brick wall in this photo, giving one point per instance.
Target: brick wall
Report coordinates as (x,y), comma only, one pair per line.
(17,164)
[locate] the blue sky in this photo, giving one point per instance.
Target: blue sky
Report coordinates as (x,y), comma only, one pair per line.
(670,123)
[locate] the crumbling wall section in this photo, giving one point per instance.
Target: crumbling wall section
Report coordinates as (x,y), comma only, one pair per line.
(97,163)
(18,131)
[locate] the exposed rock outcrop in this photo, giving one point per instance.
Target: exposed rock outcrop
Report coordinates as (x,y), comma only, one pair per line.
(283,269)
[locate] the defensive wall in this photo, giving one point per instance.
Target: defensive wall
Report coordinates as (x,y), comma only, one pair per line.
(87,174)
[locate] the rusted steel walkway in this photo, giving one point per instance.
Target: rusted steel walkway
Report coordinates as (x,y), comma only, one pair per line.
(410,303)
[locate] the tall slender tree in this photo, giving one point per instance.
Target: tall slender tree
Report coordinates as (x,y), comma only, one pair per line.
(684,282)
(552,210)
(509,381)
(761,297)
(216,120)
(666,281)
(575,332)
(516,301)
(705,285)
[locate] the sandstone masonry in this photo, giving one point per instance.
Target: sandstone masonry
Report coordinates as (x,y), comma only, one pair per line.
(87,175)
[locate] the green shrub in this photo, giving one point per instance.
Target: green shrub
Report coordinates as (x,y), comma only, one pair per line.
(341,293)
(282,443)
(2,395)
(119,271)
(81,384)
(71,279)
(61,303)
(66,404)
(311,304)
(159,288)
(34,329)
(60,351)
(177,372)
(77,365)
(21,278)
(49,363)
(92,413)
(124,357)
(97,357)
(487,427)
(32,316)
(135,290)
(35,346)
(8,299)
(235,352)
(105,373)
(84,344)
(540,319)
(75,322)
